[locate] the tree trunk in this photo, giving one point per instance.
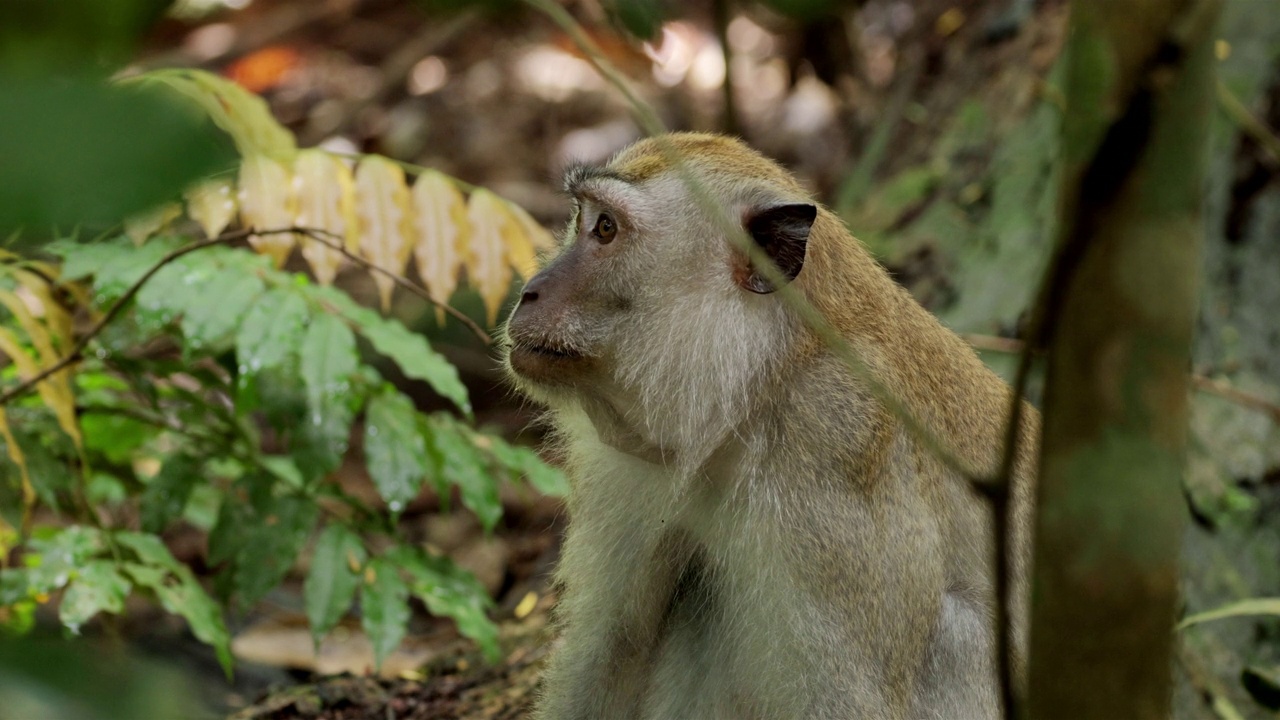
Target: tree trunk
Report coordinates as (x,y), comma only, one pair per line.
(1120,313)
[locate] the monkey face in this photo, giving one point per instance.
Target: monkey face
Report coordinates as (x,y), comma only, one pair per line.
(648,306)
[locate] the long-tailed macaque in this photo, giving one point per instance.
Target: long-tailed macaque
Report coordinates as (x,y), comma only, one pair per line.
(753,535)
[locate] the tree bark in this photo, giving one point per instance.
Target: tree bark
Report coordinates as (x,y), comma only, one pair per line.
(1120,313)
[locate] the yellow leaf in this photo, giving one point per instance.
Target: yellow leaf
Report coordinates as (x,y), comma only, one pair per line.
(325,193)
(149,222)
(28,492)
(266,202)
(9,536)
(212,204)
(56,317)
(54,390)
(526,239)
(526,605)
(440,215)
(243,115)
(384,210)
(487,266)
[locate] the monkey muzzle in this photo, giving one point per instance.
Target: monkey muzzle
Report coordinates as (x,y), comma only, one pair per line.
(537,351)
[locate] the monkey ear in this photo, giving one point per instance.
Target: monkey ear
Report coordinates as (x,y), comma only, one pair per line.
(782,232)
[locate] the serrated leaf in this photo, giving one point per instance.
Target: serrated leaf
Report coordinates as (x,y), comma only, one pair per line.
(54,314)
(450,591)
(462,464)
(488,269)
(525,241)
(98,586)
(546,479)
(410,351)
(212,204)
(149,549)
(241,114)
(440,215)
(114,435)
(271,331)
(384,602)
(384,212)
(206,321)
(335,574)
(54,555)
(394,449)
(279,531)
(317,446)
(325,192)
(55,390)
(19,459)
(328,360)
(143,225)
(166,495)
(267,203)
(180,593)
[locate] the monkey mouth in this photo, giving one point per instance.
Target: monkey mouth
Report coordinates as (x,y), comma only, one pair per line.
(544,362)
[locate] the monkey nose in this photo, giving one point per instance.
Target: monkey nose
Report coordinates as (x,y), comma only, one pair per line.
(531,290)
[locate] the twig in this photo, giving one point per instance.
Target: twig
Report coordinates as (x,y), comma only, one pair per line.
(326,238)
(77,351)
(1201,382)
(1250,124)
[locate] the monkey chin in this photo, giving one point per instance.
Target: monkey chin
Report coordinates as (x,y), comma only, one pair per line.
(548,366)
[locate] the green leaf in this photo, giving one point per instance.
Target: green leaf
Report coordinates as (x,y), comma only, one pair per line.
(450,591)
(334,577)
(220,305)
(318,444)
(181,594)
(166,495)
(115,264)
(1252,606)
(641,18)
(391,338)
(54,556)
(73,36)
(277,533)
(65,162)
(115,436)
(98,586)
(544,478)
(172,291)
(271,331)
(243,115)
(384,602)
(394,449)
(462,464)
(328,361)
(149,549)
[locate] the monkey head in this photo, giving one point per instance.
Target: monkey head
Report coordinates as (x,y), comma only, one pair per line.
(649,318)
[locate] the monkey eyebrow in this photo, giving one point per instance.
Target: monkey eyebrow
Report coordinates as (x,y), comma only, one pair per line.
(579,174)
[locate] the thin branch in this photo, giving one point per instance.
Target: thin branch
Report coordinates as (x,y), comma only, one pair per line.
(327,239)
(1201,382)
(77,351)
(1249,123)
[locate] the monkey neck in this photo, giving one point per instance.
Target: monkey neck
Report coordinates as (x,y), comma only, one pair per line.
(928,368)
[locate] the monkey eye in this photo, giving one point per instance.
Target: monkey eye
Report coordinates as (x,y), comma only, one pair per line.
(605,230)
